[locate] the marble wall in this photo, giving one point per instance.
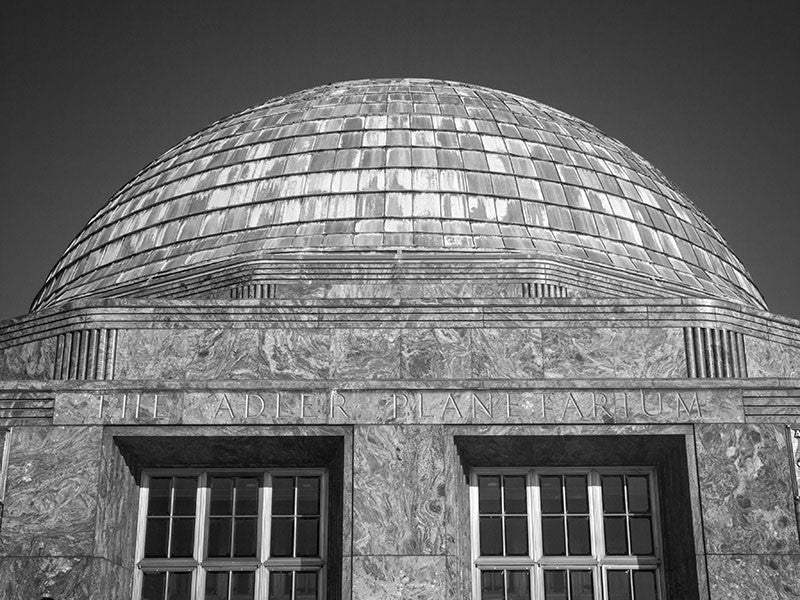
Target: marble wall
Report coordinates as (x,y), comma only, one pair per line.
(437,353)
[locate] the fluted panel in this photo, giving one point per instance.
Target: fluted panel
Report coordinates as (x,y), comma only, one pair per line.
(714,353)
(538,289)
(85,354)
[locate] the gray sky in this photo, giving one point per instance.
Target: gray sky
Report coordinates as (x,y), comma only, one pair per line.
(90,92)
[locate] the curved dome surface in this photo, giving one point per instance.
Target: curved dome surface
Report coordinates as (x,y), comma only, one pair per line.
(398,164)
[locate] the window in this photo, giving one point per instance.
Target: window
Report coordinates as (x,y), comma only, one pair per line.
(232,535)
(565,534)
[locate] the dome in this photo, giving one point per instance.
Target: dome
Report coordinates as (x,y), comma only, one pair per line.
(406,165)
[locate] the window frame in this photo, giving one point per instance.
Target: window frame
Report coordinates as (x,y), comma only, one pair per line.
(262,565)
(535,562)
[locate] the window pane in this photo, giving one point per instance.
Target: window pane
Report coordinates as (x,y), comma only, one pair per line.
(580,585)
(305,586)
(641,536)
(555,585)
(515,498)
(221,496)
(613,499)
(492,585)
(283,495)
(282,539)
(553,536)
(247,496)
(153,586)
(491,536)
(644,585)
(615,535)
(308,536)
(179,586)
(158,502)
(243,586)
(182,544)
(185,496)
(619,587)
(219,537)
(519,585)
(489,494)
(155,542)
(216,586)
(550,490)
(578,534)
(244,536)
(308,495)
(280,585)
(577,499)
(638,495)
(516,536)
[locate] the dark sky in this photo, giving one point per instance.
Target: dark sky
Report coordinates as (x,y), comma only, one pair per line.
(90,92)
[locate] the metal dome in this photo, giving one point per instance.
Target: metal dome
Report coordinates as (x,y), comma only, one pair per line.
(405,164)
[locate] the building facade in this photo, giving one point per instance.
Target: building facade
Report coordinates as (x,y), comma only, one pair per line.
(399,339)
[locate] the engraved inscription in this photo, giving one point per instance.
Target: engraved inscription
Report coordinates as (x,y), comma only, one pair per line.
(402,406)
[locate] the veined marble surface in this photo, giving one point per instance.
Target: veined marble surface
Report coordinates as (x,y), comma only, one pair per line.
(746,490)
(51,495)
(398,490)
(399,577)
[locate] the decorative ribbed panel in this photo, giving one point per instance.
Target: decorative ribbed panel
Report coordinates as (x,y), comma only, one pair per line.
(253,291)
(537,289)
(85,354)
(714,353)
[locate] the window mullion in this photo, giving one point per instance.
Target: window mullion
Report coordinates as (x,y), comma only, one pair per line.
(201,526)
(596,524)
(266,532)
(536,531)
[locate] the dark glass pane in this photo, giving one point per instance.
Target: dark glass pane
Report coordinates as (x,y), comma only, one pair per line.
(219,537)
(179,586)
(245,533)
(308,495)
(216,586)
(555,585)
(580,585)
(185,496)
(155,542)
(615,535)
(519,585)
(578,536)
(158,502)
(638,495)
(619,587)
(247,496)
(613,499)
(243,586)
(305,586)
(182,544)
(553,536)
(153,586)
(516,536)
(644,585)
(489,494)
(280,585)
(283,495)
(307,536)
(492,585)
(577,499)
(550,490)
(491,536)
(641,536)
(221,496)
(515,498)
(282,539)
